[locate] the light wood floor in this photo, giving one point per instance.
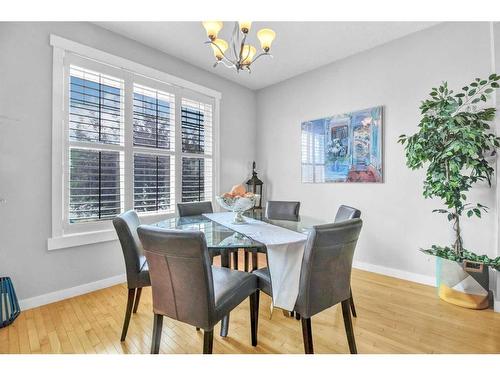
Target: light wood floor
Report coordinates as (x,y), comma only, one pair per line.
(394,316)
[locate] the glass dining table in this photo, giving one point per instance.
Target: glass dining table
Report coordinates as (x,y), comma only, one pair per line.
(223,241)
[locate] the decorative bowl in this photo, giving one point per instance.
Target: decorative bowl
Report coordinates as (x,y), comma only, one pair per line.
(238,205)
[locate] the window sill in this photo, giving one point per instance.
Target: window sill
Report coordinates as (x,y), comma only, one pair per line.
(80,239)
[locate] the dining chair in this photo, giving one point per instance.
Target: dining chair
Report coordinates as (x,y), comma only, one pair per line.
(194,208)
(325,276)
(347,213)
(282,210)
(187,288)
(136,266)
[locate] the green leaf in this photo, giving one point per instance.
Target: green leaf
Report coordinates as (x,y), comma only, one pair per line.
(495,85)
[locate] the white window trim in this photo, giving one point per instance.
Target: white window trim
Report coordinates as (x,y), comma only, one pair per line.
(59,238)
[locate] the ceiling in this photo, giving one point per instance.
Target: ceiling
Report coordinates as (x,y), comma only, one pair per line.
(299,46)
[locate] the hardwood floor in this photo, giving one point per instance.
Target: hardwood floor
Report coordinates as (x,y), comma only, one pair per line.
(394,316)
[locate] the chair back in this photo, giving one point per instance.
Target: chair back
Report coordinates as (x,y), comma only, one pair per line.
(325,278)
(194,208)
(181,274)
(282,210)
(126,225)
(347,213)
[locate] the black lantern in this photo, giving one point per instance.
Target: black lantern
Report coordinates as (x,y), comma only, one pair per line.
(255,186)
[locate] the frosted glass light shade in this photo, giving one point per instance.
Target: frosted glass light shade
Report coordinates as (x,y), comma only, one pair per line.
(212,28)
(245,26)
(266,37)
(222,47)
(247,54)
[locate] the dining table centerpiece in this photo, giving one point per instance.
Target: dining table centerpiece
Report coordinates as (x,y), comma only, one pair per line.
(238,200)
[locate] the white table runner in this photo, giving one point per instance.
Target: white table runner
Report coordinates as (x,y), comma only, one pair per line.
(285,249)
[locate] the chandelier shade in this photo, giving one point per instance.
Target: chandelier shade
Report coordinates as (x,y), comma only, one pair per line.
(219,46)
(247,54)
(266,37)
(212,28)
(245,26)
(237,54)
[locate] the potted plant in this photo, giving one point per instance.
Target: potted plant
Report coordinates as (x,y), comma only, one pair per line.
(454,143)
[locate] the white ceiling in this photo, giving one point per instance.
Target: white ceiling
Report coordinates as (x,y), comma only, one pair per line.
(299,46)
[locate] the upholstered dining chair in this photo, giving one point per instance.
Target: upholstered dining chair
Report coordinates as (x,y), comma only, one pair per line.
(126,225)
(325,276)
(187,288)
(194,208)
(347,213)
(282,210)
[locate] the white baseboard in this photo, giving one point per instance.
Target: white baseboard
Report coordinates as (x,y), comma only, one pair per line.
(59,295)
(400,274)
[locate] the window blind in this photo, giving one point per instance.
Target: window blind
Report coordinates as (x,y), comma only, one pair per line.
(95,185)
(153,183)
(196,124)
(95,178)
(154,118)
(96,107)
(196,179)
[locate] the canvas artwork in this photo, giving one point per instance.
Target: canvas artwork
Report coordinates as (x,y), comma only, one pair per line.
(343,148)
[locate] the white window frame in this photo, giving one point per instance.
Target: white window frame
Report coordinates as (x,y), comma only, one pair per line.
(65,51)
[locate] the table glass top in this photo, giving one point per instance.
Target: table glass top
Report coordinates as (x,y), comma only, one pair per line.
(220,237)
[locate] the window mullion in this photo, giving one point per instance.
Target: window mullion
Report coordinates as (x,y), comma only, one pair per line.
(129,142)
(178,148)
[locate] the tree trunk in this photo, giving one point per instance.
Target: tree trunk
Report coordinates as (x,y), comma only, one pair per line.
(458,245)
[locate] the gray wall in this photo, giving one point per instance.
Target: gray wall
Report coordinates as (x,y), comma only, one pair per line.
(25,151)
(398,75)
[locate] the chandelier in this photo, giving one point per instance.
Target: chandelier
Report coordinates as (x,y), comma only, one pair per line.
(240,55)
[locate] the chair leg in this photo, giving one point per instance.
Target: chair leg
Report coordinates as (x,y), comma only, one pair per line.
(208,341)
(254,316)
(235,259)
(247,260)
(137,299)
(307,335)
(297,315)
(348,326)
(224,326)
(353,308)
(157,327)
(128,312)
(224,259)
(254,260)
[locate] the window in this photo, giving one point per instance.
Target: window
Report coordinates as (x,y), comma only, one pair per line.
(124,141)
(97,150)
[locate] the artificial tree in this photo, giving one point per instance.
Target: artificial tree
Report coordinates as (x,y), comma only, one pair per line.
(454,142)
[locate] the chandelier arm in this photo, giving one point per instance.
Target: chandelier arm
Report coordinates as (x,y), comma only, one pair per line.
(241,48)
(262,54)
(235,40)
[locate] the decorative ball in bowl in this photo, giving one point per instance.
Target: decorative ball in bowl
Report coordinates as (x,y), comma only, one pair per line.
(237,201)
